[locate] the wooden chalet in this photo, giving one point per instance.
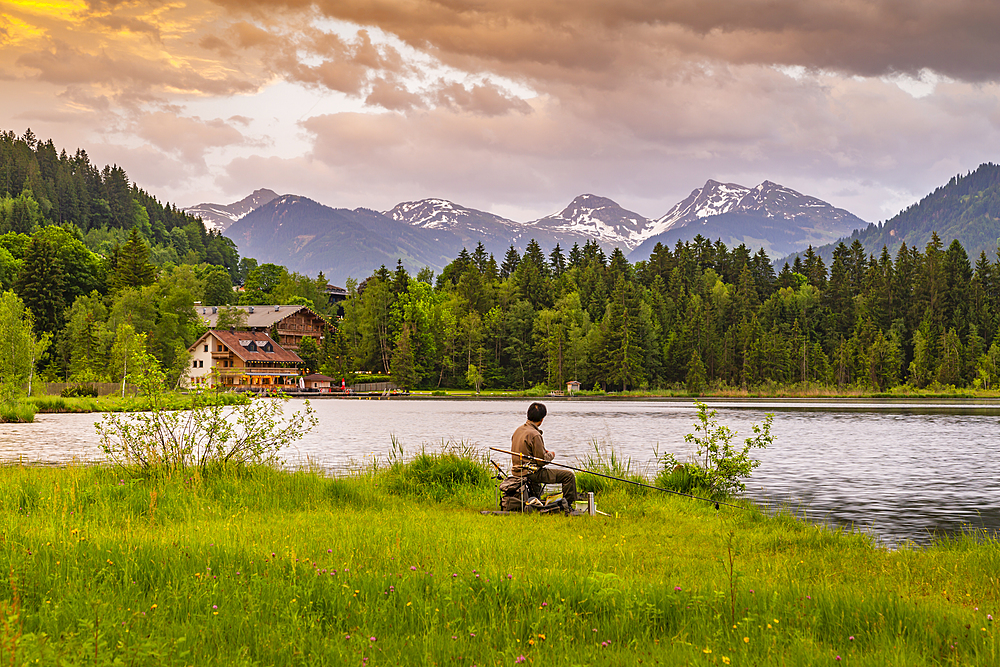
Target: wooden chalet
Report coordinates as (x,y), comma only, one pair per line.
(242,360)
(290,323)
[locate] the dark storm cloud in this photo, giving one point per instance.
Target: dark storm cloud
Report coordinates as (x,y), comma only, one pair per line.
(866,37)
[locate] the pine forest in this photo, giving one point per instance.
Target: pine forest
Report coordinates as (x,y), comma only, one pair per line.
(99,265)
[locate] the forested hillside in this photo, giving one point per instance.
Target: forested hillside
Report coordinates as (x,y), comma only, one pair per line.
(698,314)
(967,209)
(41,185)
(105,269)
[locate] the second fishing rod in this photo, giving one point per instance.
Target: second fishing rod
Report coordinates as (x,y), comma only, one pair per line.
(526,457)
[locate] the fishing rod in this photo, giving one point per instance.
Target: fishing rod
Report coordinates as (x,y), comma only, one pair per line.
(500,471)
(617,479)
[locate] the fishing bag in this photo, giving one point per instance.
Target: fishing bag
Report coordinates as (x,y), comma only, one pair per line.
(514,492)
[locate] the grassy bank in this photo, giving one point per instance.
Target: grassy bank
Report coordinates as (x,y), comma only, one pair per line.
(115,403)
(260,567)
(26,408)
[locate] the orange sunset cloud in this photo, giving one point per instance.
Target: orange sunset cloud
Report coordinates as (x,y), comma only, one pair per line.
(511,106)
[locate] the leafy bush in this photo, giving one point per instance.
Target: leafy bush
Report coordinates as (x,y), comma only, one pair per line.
(717,465)
(211,433)
(81,390)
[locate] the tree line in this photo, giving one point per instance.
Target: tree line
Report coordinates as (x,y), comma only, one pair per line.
(98,268)
(696,315)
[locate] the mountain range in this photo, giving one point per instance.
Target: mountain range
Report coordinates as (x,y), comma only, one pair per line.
(307,236)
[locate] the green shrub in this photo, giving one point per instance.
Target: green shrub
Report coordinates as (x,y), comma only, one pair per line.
(211,432)
(717,465)
(81,390)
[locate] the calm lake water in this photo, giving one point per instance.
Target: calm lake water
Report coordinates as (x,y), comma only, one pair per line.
(903,471)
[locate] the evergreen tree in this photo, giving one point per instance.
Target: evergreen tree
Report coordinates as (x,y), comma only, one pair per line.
(532,276)
(814,269)
(621,348)
(695,379)
(838,293)
(335,358)
(510,263)
(557,261)
(480,257)
(309,353)
(401,279)
(763,274)
(40,285)
(130,266)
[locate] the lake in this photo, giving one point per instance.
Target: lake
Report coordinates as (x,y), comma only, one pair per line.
(900,470)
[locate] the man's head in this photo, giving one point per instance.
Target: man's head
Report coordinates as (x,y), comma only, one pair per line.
(536,413)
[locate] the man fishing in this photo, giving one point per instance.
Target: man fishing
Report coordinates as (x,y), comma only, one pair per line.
(527,439)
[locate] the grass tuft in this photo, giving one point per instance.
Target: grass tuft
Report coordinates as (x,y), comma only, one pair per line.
(17,412)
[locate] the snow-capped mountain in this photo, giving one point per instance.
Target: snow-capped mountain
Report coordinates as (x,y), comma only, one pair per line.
(443,214)
(713,198)
(308,237)
(769,200)
(598,218)
(769,216)
(220,216)
(773,200)
(469,225)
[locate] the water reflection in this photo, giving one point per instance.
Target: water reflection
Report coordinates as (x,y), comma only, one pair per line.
(901,469)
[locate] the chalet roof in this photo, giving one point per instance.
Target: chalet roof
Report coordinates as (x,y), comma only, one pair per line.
(258,317)
(250,346)
(318,377)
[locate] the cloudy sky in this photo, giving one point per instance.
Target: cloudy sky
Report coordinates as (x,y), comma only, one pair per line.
(512,106)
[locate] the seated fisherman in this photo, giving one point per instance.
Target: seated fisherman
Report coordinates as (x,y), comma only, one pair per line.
(527,439)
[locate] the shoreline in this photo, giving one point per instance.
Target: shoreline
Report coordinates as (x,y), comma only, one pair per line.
(958,399)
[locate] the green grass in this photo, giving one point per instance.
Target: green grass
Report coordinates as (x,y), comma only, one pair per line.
(17,412)
(116,403)
(260,567)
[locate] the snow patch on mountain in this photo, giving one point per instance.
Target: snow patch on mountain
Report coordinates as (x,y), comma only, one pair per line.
(443,214)
(599,218)
(713,198)
(219,217)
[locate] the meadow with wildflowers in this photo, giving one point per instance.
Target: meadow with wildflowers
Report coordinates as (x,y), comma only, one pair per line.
(255,566)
